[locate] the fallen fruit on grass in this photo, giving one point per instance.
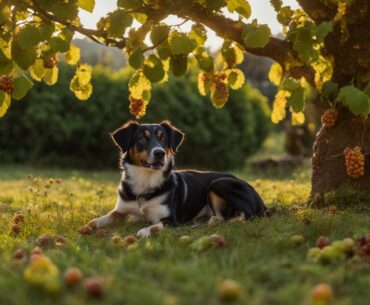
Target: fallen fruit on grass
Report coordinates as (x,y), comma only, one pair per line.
(348,245)
(313,254)
(229,290)
(322,242)
(19,218)
(94,287)
(322,292)
(297,239)
(37,250)
(331,253)
(42,272)
(19,254)
(60,239)
(130,239)
(73,276)
(16,229)
(118,240)
(185,240)
(45,241)
(202,243)
(218,240)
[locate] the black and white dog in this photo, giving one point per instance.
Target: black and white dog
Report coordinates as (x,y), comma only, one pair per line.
(152,190)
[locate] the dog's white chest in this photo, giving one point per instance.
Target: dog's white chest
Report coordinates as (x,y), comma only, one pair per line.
(152,210)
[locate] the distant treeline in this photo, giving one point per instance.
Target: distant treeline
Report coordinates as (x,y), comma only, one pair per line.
(50,127)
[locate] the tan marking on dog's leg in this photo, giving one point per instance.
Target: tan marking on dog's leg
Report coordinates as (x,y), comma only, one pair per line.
(216,202)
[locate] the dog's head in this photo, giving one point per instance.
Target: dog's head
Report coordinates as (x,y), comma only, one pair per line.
(151,146)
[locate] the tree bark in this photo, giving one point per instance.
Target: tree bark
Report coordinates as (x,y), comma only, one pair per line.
(329,171)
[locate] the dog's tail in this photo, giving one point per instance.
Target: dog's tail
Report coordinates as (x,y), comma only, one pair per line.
(239,195)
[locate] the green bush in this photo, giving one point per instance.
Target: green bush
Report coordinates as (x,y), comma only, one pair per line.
(50,127)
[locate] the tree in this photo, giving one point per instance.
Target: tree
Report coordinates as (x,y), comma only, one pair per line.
(324,58)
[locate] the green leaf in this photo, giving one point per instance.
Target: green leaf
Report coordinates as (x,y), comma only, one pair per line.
(136,59)
(119,20)
(290,84)
(198,33)
(139,85)
(73,55)
(323,29)
(65,10)
(204,83)
(205,61)
(240,6)
(51,76)
(58,44)
(83,74)
(37,70)
(163,50)
(23,58)
(329,90)
(235,78)
(6,64)
(159,34)
(178,64)
(5,101)
(180,43)
(21,85)
(275,74)
(29,36)
(231,54)
(296,99)
(153,69)
(5,13)
(356,100)
(285,15)
(87,5)
(46,30)
(367,91)
(256,36)
(129,4)
(81,92)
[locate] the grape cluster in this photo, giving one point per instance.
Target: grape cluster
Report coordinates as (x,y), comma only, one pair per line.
(137,107)
(329,117)
(6,83)
(220,91)
(50,62)
(355,162)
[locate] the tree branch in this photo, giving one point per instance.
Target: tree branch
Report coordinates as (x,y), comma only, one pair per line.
(92,34)
(276,49)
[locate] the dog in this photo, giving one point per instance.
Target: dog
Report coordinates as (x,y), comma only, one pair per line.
(150,188)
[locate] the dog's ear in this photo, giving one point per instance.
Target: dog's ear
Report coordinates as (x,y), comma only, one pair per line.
(122,136)
(175,135)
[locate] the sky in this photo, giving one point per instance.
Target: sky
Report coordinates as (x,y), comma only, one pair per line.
(261,10)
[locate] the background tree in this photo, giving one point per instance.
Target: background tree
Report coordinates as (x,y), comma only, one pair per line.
(325,52)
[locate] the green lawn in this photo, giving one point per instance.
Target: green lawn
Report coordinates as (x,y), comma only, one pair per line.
(259,254)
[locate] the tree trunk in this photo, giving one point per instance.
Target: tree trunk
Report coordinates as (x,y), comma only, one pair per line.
(329,171)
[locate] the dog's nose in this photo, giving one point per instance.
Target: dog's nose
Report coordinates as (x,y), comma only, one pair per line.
(158,153)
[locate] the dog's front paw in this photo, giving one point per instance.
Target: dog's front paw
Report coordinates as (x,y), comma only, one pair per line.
(144,233)
(149,231)
(87,229)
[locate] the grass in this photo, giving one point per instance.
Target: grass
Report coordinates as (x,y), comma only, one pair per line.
(258,254)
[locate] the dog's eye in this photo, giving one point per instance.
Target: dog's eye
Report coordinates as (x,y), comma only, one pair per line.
(141,139)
